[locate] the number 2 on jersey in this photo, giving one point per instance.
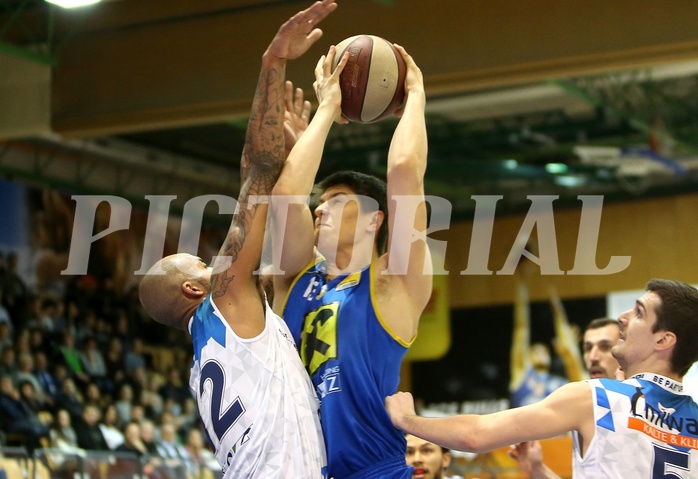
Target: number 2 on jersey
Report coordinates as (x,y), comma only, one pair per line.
(222,421)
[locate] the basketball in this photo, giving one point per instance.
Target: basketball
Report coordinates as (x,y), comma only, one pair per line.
(373,81)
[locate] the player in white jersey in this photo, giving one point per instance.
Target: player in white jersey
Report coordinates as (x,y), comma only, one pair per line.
(255,398)
(645,427)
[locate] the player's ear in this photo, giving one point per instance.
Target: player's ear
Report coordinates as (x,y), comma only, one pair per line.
(665,339)
(376,220)
(193,290)
(446,461)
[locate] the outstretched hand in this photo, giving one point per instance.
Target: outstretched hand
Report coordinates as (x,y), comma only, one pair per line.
(298,34)
(414,80)
(326,82)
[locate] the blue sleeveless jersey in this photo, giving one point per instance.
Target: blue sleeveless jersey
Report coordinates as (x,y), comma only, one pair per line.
(354,363)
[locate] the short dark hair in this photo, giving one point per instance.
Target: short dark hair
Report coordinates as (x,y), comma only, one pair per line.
(363,185)
(601,322)
(678,312)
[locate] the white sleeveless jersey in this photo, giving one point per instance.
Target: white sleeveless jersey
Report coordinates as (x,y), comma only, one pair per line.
(255,399)
(646,428)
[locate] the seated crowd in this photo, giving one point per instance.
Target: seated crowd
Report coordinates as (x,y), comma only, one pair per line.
(77,372)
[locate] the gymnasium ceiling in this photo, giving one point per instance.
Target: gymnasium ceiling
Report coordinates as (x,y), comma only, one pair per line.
(142,97)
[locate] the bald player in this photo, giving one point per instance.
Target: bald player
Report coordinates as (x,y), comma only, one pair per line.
(255,398)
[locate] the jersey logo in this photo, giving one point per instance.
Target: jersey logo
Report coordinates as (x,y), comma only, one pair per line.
(319,340)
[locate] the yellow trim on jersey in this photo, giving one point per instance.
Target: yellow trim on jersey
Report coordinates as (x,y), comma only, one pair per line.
(318,259)
(380,317)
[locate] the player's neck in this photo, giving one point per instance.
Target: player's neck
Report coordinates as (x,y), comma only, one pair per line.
(662,368)
(350,259)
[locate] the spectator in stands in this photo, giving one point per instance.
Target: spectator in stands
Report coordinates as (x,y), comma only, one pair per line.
(189,417)
(16,292)
(62,434)
(134,444)
(137,413)
(114,361)
(92,358)
(48,317)
(150,398)
(38,341)
(28,395)
(174,387)
(5,336)
(169,448)
(148,436)
(124,403)
(94,395)
(8,365)
(5,317)
(88,431)
(69,398)
(25,373)
(132,440)
(138,380)
(135,357)
(203,462)
(72,358)
(49,384)
(18,418)
(109,427)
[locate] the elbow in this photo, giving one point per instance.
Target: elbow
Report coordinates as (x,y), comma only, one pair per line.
(284,187)
(408,164)
(470,444)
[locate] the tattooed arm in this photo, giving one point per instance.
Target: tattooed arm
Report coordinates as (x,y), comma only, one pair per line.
(234,287)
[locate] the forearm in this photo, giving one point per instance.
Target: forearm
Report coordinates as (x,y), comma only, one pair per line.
(409,142)
(454,432)
(264,140)
(302,164)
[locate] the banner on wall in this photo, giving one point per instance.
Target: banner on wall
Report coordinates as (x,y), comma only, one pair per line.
(37,227)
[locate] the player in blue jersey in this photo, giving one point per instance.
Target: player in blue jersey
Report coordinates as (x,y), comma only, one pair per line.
(255,399)
(353,304)
(643,427)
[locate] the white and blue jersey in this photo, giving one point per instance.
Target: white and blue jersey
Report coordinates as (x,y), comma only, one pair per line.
(646,428)
(255,399)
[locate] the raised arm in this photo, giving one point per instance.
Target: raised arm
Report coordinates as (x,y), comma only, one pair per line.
(566,340)
(520,358)
(234,288)
(292,221)
(408,262)
(568,408)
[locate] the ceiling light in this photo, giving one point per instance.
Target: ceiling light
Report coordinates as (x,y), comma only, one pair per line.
(569,181)
(556,168)
(73,3)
